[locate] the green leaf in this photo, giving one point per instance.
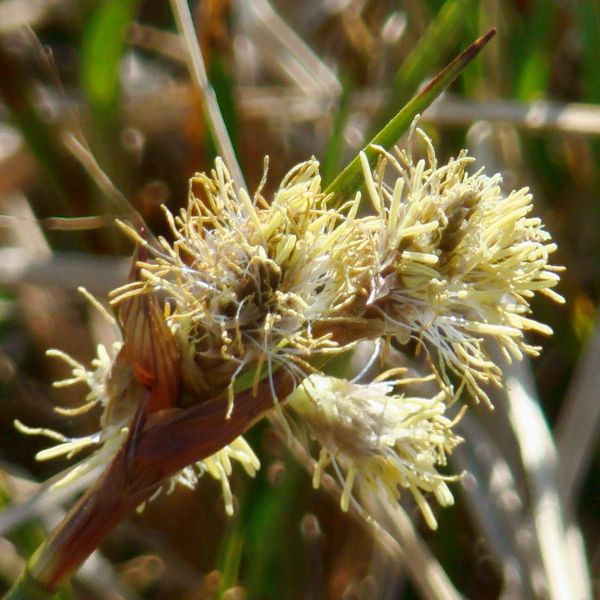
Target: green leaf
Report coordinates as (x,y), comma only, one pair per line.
(441,34)
(333,147)
(102,48)
(348,181)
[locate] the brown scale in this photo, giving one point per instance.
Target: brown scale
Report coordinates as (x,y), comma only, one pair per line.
(458,213)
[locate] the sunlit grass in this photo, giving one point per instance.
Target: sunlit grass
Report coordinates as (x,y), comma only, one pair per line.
(276,76)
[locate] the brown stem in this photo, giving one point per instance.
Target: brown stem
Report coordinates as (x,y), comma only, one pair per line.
(170,440)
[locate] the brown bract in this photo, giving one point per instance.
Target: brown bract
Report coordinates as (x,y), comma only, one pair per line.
(158,446)
(150,352)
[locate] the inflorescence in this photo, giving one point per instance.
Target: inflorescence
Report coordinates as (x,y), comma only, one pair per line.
(442,264)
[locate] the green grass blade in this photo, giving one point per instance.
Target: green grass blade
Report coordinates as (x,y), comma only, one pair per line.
(271,518)
(102,49)
(333,148)
(441,35)
(348,181)
(233,547)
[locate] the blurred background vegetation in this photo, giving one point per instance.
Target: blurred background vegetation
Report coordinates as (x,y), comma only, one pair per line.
(295,79)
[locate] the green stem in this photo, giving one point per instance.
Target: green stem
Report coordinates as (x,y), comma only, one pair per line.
(26,588)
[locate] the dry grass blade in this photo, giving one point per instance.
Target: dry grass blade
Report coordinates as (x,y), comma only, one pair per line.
(541,115)
(43,500)
(97,274)
(15,14)
(288,51)
(117,200)
(578,424)
(495,503)
(425,571)
(200,79)
(161,42)
(561,566)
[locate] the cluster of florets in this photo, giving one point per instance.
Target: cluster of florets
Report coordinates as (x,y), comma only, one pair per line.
(458,261)
(249,283)
(250,286)
(380,440)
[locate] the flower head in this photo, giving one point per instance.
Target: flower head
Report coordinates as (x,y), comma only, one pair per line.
(381,440)
(246,279)
(456,261)
(248,286)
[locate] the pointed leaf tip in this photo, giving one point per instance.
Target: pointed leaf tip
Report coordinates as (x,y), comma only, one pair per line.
(349,180)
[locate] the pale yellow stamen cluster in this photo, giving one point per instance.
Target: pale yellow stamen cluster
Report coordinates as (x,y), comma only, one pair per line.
(456,261)
(219,466)
(245,279)
(382,441)
(110,436)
